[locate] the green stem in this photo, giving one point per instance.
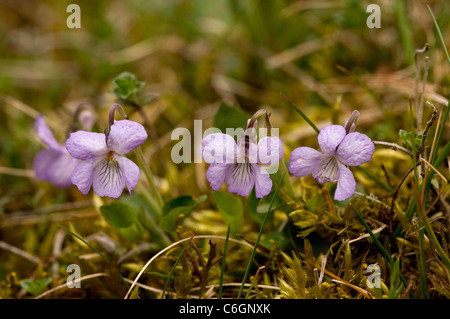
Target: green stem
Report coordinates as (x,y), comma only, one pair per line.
(289,186)
(139,155)
(258,239)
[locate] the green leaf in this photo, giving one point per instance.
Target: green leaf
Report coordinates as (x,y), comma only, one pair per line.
(172,210)
(126,86)
(139,202)
(231,208)
(124,218)
(35,287)
(119,215)
(230,117)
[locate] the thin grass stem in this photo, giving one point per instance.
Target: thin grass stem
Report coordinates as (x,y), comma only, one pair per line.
(258,239)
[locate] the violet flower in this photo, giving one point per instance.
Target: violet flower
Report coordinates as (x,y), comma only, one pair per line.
(238,164)
(340,147)
(103,164)
(53,165)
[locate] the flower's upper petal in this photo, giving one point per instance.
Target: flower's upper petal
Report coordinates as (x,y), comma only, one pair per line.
(46,135)
(108,179)
(305,161)
(124,136)
(329,138)
(219,148)
(83,174)
(130,171)
(241,178)
(86,145)
(355,149)
(270,150)
(346,184)
(216,174)
(263,182)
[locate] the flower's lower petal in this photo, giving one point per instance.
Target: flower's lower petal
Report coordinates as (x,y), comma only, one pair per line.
(130,171)
(109,179)
(45,134)
(270,150)
(216,174)
(329,138)
(124,136)
(83,174)
(355,149)
(219,148)
(346,184)
(263,182)
(86,145)
(241,178)
(304,161)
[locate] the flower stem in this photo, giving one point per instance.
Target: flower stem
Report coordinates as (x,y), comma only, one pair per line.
(259,237)
(139,155)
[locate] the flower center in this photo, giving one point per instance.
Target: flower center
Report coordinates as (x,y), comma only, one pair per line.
(328,170)
(242,173)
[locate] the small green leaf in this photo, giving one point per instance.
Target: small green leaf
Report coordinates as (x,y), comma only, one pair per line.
(183,205)
(231,208)
(126,86)
(35,287)
(230,117)
(119,215)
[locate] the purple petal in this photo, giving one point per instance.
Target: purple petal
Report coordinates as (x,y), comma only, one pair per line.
(346,184)
(83,174)
(270,150)
(130,171)
(54,167)
(45,134)
(219,148)
(355,149)
(86,145)
(329,138)
(108,178)
(305,161)
(216,174)
(241,178)
(263,182)
(125,136)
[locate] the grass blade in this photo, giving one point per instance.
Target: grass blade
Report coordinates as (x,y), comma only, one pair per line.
(84,241)
(175,265)
(259,237)
(222,268)
(301,114)
(440,34)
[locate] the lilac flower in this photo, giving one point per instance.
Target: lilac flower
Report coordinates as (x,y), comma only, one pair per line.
(339,150)
(103,164)
(238,164)
(53,165)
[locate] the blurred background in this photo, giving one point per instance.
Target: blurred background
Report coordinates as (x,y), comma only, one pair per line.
(196,55)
